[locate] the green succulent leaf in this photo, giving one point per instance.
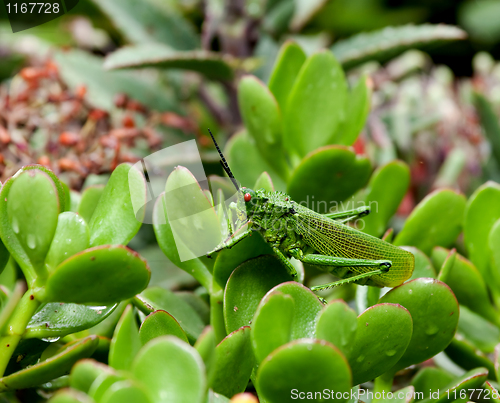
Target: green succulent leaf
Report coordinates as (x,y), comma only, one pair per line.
(262,118)
(171,370)
(247,286)
(71,237)
(316,105)
(88,203)
(328,176)
(103,382)
(434,311)
(114,221)
(70,396)
(489,121)
(265,182)
(125,342)
(430,380)
(160,299)
(383,333)
(384,194)
(386,43)
(483,334)
(54,367)
(303,365)
(160,323)
(126,391)
(286,69)
(58,319)
(337,323)
(436,221)
(468,356)
(423,265)
(234,361)
(85,372)
(106,274)
(209,64)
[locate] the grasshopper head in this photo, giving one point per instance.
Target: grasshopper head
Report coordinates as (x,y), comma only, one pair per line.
(246,202)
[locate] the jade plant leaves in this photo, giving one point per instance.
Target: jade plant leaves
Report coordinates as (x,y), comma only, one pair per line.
(246,287)
(436,221)
(234,361)
(315,107)
(434,311)
(300,366)
(160,323)
(383,334)
(126,391)
(337,323)
(71,236)
(113,220)
(53,367)
(483,210)
(125,342)
(33,219)
(57,319)
(171,370)
(88,203)
(328,175)
(384,193)
(262,118)
(106,274)
(85,372)
(423,265)
(286,69)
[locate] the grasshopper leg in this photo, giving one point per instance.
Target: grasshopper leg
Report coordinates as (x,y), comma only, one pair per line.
(230,242)
(349,214)
(291,270)
(378,266)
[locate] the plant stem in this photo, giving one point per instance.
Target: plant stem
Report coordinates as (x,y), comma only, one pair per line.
(217,312)
(15,327)
(382,385)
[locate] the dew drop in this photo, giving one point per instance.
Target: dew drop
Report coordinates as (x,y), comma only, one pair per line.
(431,330)
(51,339)
(410,291)
(31,241)
(360,358)
(390,353)
(15,226)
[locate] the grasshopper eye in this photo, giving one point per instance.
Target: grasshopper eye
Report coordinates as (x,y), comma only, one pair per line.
(247,197)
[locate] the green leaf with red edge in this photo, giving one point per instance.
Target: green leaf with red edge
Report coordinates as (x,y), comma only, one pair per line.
(125,342)
(160,323)
(303,365)
(436,221)
(327,176)
(114,221)
(106,274)
(88,203)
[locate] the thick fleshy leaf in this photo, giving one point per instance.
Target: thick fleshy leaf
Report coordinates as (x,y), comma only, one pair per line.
(316,105)
(228,259)
(482,211)
(85,372)
(246,287)
(430,380)
(493,242)
(434,311)
(265,182)
(451,392)
(125,342)
(126,391)
(52,368)
(272,324)
(32,210)
(304,11)
(467,284)
(423,265)
(106,274)
(156,55)
(167,244)
(246,162)
(150,22)
(337,323)
(384,194)
(436,221)
(262,118)
(103,382)
(114,221)
(70,396)
(234,361)
(60,186)
(71,236)
(300,366)
(285,71)
(184,314)
(57,319)
(483,334)
(89,201)
(383,334)
(489,121)
(171,370)
(468,356)
(192,218)
(328,176)
(160,323)
(205,345)
(357,109)
(386,43)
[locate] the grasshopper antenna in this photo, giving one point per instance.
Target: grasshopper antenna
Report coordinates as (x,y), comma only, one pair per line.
(224,164)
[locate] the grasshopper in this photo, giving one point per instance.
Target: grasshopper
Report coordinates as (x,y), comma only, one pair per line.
(317,239)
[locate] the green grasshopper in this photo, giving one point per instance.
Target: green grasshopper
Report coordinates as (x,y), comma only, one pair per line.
(316,239)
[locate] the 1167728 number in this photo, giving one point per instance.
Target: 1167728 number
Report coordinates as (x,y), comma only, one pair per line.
(465,393)
(33,8)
